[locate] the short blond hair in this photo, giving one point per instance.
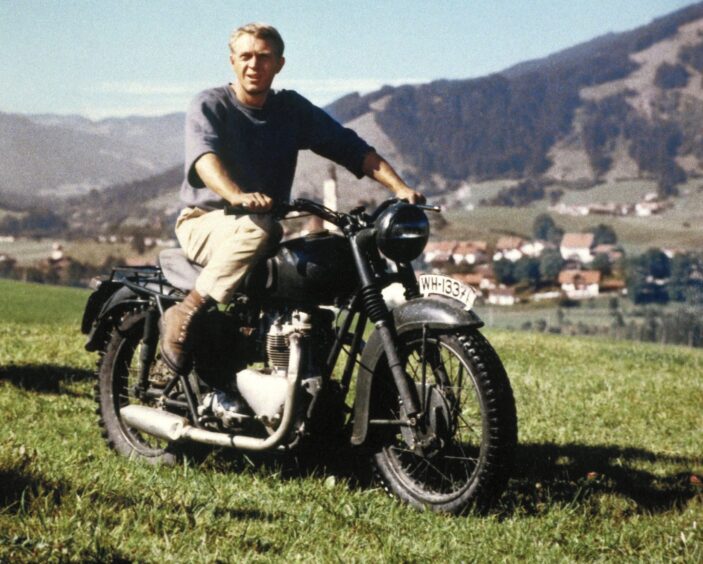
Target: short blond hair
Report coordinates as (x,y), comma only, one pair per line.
(260,31)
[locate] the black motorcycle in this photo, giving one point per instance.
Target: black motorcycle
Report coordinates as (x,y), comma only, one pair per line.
(425,396)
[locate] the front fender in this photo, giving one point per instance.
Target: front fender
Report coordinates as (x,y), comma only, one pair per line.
(436,314)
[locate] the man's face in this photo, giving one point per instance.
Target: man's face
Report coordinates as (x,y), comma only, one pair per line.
(255,64)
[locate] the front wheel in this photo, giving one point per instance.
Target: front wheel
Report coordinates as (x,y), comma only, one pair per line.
(468,426)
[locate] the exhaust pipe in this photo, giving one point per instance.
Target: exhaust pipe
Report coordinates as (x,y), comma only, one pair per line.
(171,427)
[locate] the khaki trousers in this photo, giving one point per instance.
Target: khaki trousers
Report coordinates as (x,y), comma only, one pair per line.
(225,245)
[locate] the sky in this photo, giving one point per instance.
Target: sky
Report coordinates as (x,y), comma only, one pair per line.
(103,58)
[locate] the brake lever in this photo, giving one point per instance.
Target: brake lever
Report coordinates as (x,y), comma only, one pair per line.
(427,207)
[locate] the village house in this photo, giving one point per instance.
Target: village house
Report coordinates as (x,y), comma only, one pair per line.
(577,246)
(502,296)
(580,284)
(611,251)
(534,249)
(647,209)
(488,279)
(573,210)
(439,252)
(470,252)
(509,248)
(480,280)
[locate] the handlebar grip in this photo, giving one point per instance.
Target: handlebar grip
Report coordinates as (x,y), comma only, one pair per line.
(236,210)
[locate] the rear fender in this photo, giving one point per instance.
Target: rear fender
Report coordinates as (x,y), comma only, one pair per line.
(103,309)
(437,315)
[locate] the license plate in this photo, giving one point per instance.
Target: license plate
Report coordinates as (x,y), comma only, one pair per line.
(445,286)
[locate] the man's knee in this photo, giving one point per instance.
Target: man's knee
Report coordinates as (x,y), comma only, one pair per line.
(251,235)
(266,231)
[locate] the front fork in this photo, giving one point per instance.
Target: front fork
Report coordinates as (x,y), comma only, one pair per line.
(382,318)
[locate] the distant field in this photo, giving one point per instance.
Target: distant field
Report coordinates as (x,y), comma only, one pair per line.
(608,467)
(680,227)
(31,251)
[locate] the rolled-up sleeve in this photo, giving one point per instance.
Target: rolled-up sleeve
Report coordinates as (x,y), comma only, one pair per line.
(203,134)
(328,138)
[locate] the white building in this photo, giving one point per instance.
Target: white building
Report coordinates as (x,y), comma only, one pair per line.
(577,246)
(580,284)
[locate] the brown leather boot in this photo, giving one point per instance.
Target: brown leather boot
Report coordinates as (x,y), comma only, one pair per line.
(176,331)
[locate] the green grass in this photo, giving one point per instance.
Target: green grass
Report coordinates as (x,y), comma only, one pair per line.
(609,439)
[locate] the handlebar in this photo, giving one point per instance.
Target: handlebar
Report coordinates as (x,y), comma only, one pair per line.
(280,209)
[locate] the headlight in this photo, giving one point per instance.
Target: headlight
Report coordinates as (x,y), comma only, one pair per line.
(402,232)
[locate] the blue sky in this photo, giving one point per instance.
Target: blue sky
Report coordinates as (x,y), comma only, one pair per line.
(115,58)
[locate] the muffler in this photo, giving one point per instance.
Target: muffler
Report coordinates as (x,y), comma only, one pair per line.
(171,427)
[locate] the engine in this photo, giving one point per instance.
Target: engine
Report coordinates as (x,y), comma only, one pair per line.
(265,389)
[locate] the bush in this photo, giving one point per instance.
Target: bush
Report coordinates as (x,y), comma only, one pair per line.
(671,76)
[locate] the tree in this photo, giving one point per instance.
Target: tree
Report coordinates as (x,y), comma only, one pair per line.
(657,264)
(601,263)
(681,266)
(671,76)
(555,196)
(646,277)
(527,271)
(550,264)
(604,234)
(504,271)
(542,226)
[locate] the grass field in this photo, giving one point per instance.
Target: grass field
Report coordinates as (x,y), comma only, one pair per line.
(608,467)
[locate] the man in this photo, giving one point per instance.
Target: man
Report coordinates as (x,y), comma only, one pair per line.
(242,142)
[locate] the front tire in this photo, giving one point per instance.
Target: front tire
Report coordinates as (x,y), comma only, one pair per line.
(471,424)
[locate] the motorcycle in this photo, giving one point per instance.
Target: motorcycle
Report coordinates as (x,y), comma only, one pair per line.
(424,396)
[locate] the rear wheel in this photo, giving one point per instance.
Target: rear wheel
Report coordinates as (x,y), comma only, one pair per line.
(468,432)
(118,376)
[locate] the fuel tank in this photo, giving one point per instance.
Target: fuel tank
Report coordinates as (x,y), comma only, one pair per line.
(317,268)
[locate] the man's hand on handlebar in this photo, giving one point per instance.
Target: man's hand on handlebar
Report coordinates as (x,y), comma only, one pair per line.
(255,202)
(412,196)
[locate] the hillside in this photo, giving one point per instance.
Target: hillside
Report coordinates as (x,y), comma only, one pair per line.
(56,156)
(149,201)
(608,466)
(628,104)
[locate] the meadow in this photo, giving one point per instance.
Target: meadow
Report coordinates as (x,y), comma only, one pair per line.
(609,466)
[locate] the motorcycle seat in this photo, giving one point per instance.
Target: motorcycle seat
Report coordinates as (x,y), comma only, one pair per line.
(178,270)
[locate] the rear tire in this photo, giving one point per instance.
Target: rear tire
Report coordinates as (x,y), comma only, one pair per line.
(472,421)
(117,376)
